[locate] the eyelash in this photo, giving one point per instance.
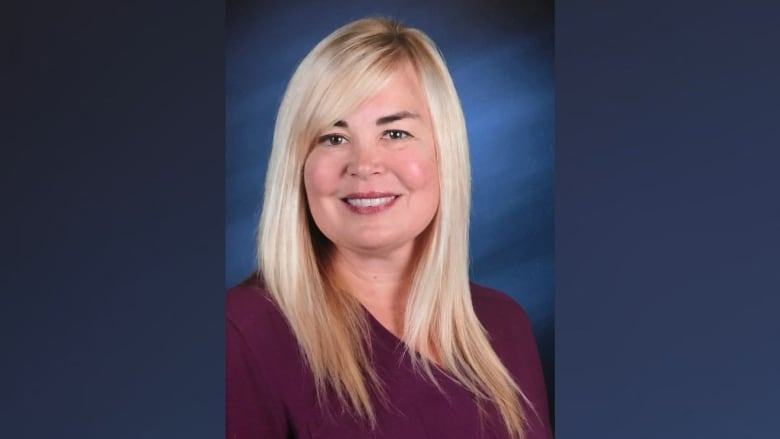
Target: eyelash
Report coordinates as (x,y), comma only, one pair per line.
(403,134)
(328,139)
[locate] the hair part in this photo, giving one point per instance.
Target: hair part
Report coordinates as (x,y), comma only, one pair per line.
(342,71)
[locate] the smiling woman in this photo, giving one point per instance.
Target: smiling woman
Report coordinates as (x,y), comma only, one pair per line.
(376,189)
(361,321)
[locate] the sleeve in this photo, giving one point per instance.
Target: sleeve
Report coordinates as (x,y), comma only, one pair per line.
(252,410)
(531,379)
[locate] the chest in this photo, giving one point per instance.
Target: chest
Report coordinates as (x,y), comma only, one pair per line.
(414,408)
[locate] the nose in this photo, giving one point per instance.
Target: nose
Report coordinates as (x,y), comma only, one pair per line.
(366,159)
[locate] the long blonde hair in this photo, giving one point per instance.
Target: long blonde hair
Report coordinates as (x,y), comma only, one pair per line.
(341,72)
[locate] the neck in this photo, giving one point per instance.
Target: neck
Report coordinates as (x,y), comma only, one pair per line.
(380,284)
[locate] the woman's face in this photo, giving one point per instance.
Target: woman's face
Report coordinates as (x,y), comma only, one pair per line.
(371,179)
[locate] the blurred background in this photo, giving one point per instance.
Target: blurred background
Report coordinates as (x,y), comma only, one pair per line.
(500,55)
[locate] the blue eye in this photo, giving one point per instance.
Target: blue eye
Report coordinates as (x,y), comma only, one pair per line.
(331,139)
(396,134)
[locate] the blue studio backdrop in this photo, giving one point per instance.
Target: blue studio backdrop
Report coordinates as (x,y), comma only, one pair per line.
(500,56)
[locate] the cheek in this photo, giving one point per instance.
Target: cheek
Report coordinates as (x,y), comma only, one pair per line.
(317,176)
(315,184)
(421,174)
(309,180)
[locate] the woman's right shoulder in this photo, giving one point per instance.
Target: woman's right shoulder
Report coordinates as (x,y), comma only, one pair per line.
(252,312)
(263,366)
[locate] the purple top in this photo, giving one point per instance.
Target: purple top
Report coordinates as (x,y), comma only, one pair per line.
(270,391)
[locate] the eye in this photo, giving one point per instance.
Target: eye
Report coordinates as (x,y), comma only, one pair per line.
(331,139)
(396,134)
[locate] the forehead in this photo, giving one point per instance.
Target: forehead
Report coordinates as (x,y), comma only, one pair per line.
(402,91)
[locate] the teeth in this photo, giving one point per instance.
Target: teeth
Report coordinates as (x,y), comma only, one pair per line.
(368,202)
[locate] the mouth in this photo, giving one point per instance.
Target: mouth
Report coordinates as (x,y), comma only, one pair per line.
(371,202)
(368,202)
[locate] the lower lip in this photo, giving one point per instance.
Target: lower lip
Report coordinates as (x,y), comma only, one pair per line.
(368,210)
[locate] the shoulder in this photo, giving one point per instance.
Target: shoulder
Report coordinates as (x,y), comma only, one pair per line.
(259,336)
(253,317)
(511,335)
(249,302)
(508,327)
(497,311)
(263,368)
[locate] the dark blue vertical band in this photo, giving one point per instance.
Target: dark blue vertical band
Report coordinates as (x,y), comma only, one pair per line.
(667,220)
(113,220)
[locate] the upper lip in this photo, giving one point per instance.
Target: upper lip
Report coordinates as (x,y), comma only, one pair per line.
(372,194)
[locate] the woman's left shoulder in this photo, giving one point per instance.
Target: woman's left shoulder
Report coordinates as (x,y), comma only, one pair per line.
(498,312)
(511,334)
(507,324)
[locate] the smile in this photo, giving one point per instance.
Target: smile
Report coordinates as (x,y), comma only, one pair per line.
(369,203)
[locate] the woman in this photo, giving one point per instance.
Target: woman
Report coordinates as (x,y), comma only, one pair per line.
(362,321)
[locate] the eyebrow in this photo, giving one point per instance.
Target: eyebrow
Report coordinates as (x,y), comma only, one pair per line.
(384,120)
(395,117)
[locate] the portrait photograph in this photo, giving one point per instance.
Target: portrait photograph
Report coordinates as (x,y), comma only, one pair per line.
(389,241)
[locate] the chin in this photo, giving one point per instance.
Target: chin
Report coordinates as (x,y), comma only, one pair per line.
(378,246)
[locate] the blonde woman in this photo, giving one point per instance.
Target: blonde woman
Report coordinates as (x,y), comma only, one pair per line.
(361,321)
